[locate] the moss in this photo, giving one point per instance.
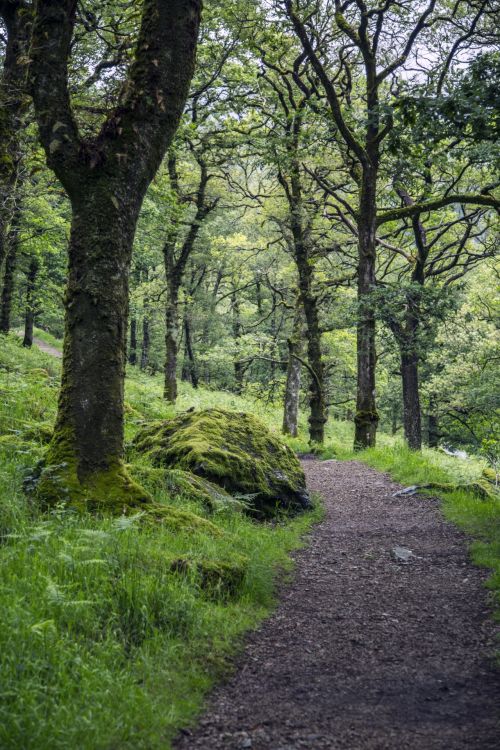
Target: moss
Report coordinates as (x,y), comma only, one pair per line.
(491,476)
(366,417)
(218,579)
(39,373)
(55,481)
(179,520)
(39,432)
(233,450)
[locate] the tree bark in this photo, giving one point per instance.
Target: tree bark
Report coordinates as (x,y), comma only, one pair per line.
(189,368)
(13,106)
(145,343)
(239,368)
(433,433)
(9,274)
(411,400)
(171,335)
(293,377)
(366,417)
(132,350)
(293,191)
(90,411)
(29,317)
(175,266)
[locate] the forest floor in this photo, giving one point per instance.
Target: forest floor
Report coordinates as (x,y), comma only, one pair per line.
(363,651)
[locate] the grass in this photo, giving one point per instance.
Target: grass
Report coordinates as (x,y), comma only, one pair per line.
(102,644)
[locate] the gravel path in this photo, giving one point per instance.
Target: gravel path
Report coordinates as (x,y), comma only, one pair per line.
(364,652)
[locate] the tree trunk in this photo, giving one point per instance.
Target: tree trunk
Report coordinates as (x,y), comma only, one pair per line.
(433,433)
(366,418)
(145,344)
(9,274)
(88,436)
(239,369)
(29,317)
(411,400)
(171,333)
(293,373)
(189,368)
(317,406)
(14,104)
(132,351)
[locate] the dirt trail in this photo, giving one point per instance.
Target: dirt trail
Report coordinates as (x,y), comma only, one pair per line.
(47,348)
(364,652)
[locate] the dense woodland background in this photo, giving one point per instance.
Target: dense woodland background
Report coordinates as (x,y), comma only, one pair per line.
(247,251)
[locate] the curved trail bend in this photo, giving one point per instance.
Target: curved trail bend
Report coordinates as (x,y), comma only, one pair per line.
(364,653)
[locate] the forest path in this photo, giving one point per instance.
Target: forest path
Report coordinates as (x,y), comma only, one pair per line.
(364,652)
(47,348)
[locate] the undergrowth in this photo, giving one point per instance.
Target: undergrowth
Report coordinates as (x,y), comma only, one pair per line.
(103,642)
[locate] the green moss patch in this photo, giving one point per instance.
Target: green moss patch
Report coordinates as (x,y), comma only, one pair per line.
(233,450)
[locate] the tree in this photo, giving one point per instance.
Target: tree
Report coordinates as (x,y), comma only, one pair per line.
(373,37)
(106,177)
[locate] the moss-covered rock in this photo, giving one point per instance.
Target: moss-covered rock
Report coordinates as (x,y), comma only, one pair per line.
(232,450)
(218,579)
(183,484)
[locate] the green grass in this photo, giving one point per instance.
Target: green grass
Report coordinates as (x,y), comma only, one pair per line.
(480,518)
(102,645)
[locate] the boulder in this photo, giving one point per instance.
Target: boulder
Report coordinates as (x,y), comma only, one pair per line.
(233,450)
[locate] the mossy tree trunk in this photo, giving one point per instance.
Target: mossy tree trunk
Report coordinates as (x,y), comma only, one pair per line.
(433,434)
(293,376)
(239,366)
(132,349)
(145,342)
(90,415)
(30,303)
(9,272)
(14,101)
(189,368)
(366,417)
(106,181)
(411,400)
(171,337)
(317,402)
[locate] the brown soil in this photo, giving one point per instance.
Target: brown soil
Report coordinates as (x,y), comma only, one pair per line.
(364,652)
